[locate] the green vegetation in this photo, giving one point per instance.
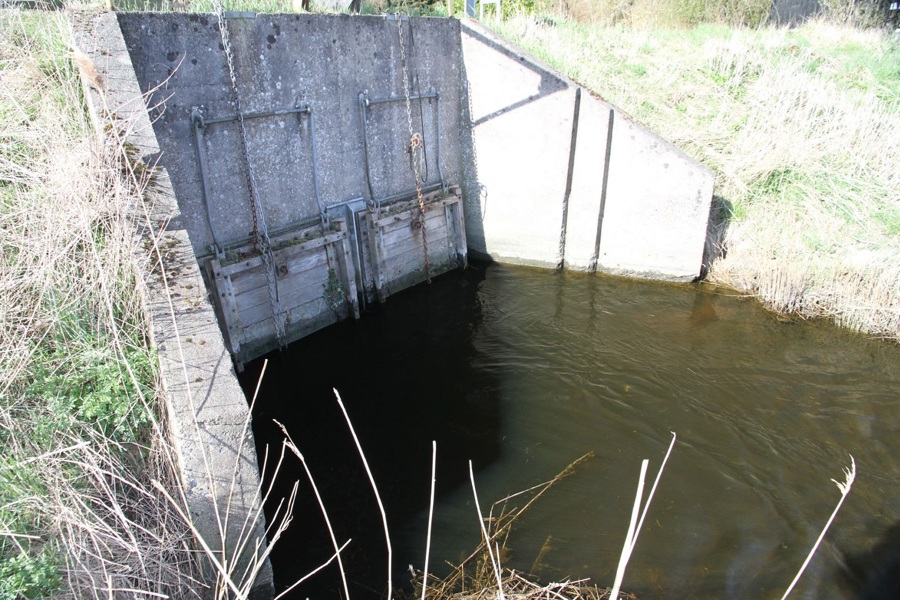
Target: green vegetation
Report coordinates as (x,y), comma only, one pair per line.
(79,439)
(802,128)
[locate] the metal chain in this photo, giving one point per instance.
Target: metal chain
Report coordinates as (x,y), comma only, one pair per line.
(415,146)
(260,231)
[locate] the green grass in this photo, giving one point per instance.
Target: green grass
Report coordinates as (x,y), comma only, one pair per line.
(79,438)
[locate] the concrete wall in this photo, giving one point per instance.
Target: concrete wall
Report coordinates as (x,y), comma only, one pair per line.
(324,60)
(556,190)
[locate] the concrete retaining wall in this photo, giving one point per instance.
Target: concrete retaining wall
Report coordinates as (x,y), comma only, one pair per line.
(326,61)
(559,191)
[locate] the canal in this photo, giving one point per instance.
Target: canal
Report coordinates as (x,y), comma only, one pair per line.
(523,371)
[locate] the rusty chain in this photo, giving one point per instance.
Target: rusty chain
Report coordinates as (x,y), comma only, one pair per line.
(414,148)
(260,233)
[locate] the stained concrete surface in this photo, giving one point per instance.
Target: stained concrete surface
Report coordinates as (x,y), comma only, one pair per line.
(326,61)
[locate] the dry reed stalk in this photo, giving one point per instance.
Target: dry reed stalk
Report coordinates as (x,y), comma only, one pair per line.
(844,487)
(387,535)
(634,530)
(336,555)
(495,560)
(337,550)
(628,546)
(481,577)
(430,517)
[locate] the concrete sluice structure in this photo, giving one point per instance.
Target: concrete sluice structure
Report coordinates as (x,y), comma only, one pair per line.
(285,199)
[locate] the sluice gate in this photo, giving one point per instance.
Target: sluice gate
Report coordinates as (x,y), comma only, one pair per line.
(317,161)
(306,165)
(277,286)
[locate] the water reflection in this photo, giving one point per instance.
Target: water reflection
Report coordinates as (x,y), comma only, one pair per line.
(526,370)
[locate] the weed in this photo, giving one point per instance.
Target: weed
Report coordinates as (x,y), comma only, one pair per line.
(79,436)
(29,575)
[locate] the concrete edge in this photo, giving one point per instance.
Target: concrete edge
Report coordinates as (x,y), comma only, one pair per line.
(191,373)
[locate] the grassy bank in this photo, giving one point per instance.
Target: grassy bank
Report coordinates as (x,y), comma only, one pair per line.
(80,438)
(802,128)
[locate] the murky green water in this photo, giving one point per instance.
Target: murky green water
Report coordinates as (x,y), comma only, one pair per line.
(523,371)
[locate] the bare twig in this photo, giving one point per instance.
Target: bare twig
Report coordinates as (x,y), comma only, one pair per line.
(487,538)
(430,517)
(337,551)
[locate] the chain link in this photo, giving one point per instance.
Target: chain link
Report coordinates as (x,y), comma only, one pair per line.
(260,231)
(414,148)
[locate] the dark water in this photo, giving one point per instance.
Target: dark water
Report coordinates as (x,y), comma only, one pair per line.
(523,371)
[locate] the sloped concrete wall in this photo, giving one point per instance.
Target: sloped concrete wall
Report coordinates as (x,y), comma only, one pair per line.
(567,180)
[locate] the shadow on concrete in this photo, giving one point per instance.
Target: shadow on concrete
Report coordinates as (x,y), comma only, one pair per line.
(721,214)
(550,83)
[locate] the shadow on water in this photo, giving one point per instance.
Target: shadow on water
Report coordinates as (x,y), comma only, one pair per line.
(404,372)
(875,574)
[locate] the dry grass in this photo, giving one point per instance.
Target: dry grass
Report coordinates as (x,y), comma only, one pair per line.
(518,587)
(79,430)
(480,575)
(802,128)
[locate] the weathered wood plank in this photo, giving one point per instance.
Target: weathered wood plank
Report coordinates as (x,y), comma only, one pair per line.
(395,242)
(347,275)
(405,227)
(367,277)
(252,278)
(280,254)
(387,220)
(437,240)
(257,303)
(226,306)
(377,255)
(437,255)
(259,338)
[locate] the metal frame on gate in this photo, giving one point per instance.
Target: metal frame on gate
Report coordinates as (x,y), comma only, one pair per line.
(199,124)
(364,103)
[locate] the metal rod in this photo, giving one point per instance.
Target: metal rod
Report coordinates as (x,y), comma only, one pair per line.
(437,126)
(254,115)
(197,121)
(426,95)
(312,143)
(363,103)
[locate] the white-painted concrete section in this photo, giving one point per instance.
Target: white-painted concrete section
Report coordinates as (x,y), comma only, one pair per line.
(657,208)
(636,206)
